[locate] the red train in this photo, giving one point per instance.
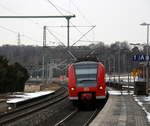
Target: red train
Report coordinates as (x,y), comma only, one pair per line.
(86,81)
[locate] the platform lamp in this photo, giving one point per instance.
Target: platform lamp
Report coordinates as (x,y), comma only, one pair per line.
(147,55)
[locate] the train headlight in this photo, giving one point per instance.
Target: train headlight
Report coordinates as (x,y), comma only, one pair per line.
(72,89)
(100,87)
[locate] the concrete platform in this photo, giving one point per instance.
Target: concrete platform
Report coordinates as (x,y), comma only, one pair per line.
(121,110)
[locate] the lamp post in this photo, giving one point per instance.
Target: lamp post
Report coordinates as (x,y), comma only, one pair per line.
(119,71)
(114,68)
(109,68)
(147,56)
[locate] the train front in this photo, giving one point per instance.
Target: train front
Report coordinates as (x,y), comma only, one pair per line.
(86,81)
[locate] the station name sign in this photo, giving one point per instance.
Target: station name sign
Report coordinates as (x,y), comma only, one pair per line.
(141,58)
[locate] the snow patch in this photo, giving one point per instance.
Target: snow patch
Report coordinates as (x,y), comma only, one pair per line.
(138,101)
(27,96)
(141,104)
(126,86)
(146,98)
(112,92)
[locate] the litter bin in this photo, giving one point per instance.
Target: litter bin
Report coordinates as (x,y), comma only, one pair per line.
(140,88)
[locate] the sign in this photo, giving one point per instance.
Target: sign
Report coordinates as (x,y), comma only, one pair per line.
(141,58)
(133,74)
(136,72)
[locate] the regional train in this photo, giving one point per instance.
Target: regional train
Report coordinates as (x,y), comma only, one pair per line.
(86,81)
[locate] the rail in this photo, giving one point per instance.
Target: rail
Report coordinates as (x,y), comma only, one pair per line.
(32,107)
(76,115)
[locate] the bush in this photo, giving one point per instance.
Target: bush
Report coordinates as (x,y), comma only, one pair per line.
(12,77)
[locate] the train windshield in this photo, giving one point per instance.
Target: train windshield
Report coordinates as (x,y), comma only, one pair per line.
(86,74)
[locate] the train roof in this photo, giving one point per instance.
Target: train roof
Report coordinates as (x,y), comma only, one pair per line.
(86,62)
(89,59)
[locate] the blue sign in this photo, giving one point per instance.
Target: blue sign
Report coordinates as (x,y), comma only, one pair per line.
(141,58)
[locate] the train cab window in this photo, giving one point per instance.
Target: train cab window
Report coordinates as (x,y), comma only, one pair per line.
(86,74)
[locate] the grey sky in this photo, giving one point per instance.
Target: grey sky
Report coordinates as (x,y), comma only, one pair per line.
(115,20)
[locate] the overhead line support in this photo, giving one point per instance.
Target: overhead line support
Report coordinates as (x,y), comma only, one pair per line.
(69,16)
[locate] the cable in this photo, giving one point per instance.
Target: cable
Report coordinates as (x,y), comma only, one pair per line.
(30,38)
(60,8)
(8,9)
(58,34)
(63,15)
(70,26)
(55,37)
(62,26)
(11,11)
(83,36)
(80,12)
(7,29)
(15,32)
(55,7)
(62,44)
(65,10)
(81,15)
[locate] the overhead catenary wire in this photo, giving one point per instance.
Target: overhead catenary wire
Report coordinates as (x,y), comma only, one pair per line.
(65,10)
(16,13)
(63,15)
(58,34)
(71,26)
(83,36)
(7,29)
(55,7)
(83,16)
(70,21)
(61,43)
(16,32)
(65,27)
(78,30)
(8,9)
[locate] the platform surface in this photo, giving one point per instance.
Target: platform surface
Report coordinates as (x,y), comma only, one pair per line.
(121,110)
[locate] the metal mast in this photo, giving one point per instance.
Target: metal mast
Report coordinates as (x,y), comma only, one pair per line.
(19,41)
(44,73)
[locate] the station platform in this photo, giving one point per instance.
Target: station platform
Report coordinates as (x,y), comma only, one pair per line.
(121,110)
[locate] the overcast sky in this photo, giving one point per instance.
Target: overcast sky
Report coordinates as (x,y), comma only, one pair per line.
(115,20)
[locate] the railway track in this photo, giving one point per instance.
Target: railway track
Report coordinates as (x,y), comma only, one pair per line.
(82,115)
(78,118)
(30,108)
